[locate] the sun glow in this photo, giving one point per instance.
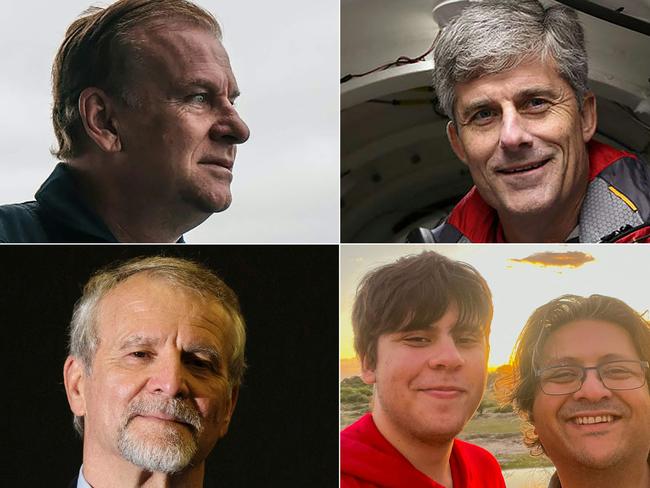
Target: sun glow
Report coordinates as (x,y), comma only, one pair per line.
(522,277)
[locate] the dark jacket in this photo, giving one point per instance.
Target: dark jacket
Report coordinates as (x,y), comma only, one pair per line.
(59,214)
(616,207)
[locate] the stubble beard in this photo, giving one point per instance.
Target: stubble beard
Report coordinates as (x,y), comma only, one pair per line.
(168,449)
(208,197)
(423,430)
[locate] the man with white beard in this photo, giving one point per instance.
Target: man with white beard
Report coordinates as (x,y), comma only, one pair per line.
(155,361)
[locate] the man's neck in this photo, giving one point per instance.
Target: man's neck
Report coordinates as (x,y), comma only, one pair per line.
(634,474)
(111,472)
(430,458)
(132,215)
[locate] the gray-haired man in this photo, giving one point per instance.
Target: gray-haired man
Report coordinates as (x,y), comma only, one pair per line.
(512,77)
(155,363)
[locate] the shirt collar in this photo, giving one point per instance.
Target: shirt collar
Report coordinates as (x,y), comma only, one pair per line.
(81,481)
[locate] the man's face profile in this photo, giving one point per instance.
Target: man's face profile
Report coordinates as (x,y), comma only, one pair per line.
(595,426)
(158,394)
(429,382)
(181,138)
(523,138)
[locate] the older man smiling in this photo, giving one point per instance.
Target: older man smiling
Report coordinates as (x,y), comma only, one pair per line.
(580,380)
(512,77)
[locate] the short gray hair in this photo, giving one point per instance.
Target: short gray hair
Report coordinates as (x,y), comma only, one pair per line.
(194,277)
(497,35)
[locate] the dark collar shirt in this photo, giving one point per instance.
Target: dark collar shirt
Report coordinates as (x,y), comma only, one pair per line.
(59,214)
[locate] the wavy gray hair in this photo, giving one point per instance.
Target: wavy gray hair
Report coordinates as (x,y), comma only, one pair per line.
(187,274)
(492,36)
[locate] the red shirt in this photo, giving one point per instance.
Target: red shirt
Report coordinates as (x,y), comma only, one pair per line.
(369,460)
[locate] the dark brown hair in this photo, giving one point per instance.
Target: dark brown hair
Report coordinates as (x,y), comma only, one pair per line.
(414,292)
(520,385)
(99,50)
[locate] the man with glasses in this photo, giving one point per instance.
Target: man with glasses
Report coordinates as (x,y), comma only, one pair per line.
(580,380)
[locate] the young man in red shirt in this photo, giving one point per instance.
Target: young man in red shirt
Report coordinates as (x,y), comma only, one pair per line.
(421,328)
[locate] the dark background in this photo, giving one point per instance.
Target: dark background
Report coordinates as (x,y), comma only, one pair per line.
(285,429)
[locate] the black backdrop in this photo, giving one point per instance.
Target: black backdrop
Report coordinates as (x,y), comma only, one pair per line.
(285,429)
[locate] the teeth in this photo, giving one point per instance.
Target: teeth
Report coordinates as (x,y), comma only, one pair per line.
(600,419)
(525,168)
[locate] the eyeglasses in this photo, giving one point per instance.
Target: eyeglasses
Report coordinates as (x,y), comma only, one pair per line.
(615,375)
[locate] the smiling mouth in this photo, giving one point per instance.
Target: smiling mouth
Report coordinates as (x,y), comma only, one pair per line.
(523,169)
(598,419)
(443,391)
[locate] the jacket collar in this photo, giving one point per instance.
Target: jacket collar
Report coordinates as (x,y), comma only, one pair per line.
(60,197)
(479,222)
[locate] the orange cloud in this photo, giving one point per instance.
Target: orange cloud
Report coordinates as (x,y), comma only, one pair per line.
(573,259)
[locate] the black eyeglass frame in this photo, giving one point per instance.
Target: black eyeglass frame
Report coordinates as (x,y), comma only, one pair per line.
(644,365)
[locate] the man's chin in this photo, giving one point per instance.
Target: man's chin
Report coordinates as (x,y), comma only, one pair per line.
(209,203)
(525,206)
(168,452)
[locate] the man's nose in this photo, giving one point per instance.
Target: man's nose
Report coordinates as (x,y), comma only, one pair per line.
(445,354)
(592,389)
(514,133)
(230,127)
(168,377)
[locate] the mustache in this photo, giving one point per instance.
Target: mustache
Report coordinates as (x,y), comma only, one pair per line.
(176,408)
(585,407)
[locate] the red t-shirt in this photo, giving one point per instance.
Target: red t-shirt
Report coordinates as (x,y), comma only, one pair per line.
(369,460)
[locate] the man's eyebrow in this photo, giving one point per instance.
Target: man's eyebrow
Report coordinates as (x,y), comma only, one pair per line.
(526,93)
(572,361)
(204,82)
(474,105)
(138,340)
(211,352)
(536,91)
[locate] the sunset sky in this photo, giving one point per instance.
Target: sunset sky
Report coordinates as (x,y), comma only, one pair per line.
(521,277)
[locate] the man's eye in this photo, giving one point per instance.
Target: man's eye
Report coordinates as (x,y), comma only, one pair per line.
(140,354)
(467,339)
(537,104)
(618,372)
(562,375)
(416,341)
(199,363)
(199,98)
(483,116)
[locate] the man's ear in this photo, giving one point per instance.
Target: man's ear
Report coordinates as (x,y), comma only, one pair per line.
(589,117)
(368,375)
(74,376)
(230,409)
(97,112)
(454,141)
(234,395)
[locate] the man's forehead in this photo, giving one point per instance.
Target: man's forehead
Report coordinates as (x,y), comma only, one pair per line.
(588,340)
(148,299)
(525,77)
(183,51)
